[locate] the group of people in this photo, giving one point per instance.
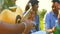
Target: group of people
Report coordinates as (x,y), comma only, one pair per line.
(28,26)
(31,24)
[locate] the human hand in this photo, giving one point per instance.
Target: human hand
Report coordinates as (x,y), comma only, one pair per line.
(29,26)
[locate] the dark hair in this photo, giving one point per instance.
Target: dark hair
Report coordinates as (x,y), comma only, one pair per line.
(33,2)
(27,7)
(53,7)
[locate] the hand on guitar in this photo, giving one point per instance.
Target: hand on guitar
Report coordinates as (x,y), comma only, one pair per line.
(29,26)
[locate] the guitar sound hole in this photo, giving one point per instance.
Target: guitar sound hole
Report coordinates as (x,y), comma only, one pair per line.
(18,19)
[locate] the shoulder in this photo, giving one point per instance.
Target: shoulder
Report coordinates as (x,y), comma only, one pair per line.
(49,13)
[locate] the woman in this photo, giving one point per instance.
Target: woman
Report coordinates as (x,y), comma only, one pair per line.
(33,15)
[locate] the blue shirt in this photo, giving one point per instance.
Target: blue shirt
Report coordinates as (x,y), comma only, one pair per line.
(36,23)
(50,20)
(40,32)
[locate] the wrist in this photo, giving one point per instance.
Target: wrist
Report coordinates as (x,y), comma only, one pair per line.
(25,24)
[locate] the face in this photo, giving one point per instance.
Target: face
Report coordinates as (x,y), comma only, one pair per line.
(57,5)
(35,7)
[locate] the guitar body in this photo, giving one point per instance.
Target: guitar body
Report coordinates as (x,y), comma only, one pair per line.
(11,17)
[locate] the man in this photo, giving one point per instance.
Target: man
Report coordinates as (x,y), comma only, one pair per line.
(51,17)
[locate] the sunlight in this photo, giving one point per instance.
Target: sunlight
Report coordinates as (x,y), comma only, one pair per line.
(43,4)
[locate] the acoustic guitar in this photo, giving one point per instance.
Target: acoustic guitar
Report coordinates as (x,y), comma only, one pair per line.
(11,16)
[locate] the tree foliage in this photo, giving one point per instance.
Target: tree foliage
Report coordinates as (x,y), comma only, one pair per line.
(41,14)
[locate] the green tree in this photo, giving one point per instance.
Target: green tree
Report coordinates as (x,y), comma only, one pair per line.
(41,14)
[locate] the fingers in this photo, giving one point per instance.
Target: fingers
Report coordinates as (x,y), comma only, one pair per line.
(29,25)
